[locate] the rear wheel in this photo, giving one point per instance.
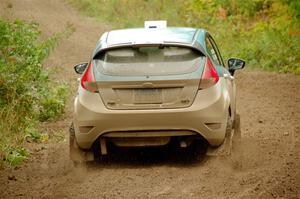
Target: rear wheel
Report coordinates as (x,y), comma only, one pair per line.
(236,140)
(72,146)
(72,142)
(237,149)
(229,126)
(226,148)
(77,155)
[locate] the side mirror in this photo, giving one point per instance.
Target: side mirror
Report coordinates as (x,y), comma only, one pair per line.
(80,68)
(235,64)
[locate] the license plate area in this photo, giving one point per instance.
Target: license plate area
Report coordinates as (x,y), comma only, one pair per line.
(148,96)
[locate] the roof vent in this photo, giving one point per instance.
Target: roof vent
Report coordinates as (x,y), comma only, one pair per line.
(155,24)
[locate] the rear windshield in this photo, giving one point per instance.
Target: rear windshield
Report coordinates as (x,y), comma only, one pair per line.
(134,61)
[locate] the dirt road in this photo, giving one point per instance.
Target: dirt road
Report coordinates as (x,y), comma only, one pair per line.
(267,165)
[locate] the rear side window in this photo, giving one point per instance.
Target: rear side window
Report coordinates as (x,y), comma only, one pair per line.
(212,51)
(150,60)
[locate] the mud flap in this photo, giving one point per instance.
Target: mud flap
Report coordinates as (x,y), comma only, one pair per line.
(77,154)
(232,140)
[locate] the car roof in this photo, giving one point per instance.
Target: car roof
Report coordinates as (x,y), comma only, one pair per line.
(190,37)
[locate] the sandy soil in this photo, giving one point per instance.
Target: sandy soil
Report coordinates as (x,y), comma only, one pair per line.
(267,164)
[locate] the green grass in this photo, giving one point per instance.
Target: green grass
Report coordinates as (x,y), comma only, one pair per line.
(266,33)
(27,96)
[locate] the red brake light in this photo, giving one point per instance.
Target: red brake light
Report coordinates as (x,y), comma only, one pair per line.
(88,80)
(209,76)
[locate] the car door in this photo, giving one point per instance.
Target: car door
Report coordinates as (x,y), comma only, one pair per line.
(216,57)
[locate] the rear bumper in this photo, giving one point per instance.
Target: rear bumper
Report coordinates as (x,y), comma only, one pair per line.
(207,116)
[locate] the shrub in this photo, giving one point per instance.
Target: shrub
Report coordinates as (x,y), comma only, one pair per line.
(27,96)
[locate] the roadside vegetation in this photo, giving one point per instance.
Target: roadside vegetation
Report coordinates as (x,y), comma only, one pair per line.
(266,33)
(27,96)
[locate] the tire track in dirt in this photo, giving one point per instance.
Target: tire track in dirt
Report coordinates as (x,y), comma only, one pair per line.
(267,165)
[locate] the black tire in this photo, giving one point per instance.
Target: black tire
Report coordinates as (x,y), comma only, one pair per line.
(237,148)
(72,143)
(237,136)
(77,155)
(229,126)
(71,140)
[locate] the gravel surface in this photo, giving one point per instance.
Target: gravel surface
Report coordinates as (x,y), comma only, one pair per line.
(266,164)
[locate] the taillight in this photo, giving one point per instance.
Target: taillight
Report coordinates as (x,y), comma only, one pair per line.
(209,76)
(88,80)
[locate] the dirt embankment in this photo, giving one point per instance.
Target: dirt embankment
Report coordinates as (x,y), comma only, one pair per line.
(267,165)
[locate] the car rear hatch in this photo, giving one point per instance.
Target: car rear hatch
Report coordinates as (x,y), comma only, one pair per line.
(148,77)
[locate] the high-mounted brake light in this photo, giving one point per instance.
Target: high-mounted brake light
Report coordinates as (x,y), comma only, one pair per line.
(88,80)
(209,76)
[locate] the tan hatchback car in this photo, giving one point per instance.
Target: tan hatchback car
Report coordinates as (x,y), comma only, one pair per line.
(150,86)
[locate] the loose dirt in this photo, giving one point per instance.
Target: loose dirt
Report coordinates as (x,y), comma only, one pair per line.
(267,164)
